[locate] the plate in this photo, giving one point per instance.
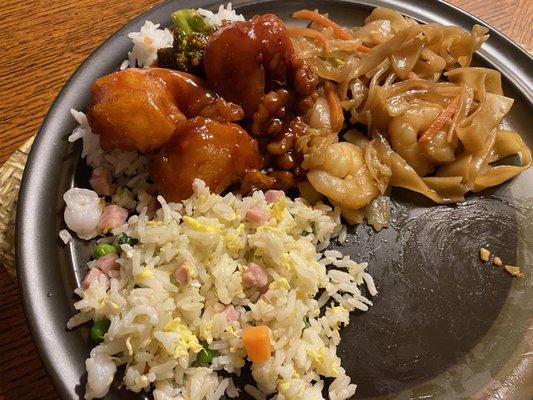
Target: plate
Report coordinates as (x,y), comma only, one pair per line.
(444,325)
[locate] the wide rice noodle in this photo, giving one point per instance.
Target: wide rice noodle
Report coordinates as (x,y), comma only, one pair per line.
(396,91)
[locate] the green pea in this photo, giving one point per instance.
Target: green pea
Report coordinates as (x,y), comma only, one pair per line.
(206,355)
(99,330)
(125,239)
(102,249)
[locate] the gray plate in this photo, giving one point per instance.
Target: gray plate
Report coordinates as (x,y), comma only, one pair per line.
(444,326)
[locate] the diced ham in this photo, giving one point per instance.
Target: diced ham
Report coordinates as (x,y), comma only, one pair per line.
(182,273)
(108,263)
(94,273)
(112,217)
(254,276)
(258,216)
(231,313)
(102,182)
(272,196)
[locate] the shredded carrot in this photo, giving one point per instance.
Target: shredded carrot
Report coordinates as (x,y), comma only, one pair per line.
(314,16)
(335,106)
(257,343)
(310,33)
(445,116)
(363,49)
(412,75)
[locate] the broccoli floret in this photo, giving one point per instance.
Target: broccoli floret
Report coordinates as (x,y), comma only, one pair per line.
(189,21)
(191,32)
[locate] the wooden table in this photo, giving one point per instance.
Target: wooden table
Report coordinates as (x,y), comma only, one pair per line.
(42,42)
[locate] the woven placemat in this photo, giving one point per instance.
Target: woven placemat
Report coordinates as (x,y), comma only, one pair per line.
(10,178)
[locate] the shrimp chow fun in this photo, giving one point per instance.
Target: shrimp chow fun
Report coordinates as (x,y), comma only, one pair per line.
(226,155)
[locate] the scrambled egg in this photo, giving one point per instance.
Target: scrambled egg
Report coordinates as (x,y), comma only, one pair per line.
(284,386)
(319,360)
(279,207)
(280,283)
(144,275)
(198,226)
(188,341)
(285,259)
(234,242)
(268,228)
(231,331)
(155,223)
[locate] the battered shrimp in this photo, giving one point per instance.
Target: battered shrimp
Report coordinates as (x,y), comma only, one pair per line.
(404,134)
(243,57)
(218,153)
(340,173)
(139,109)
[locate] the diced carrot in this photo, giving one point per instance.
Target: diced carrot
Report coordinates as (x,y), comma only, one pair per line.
(257,343)
(335,107)
(310,33)
(320,19)
(445,116)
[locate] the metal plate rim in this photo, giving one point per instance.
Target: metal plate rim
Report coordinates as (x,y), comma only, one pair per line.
(31,212)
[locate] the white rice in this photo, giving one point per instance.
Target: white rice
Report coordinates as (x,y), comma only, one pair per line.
(156,322)
(65,236)
(146,42)
(125,64)
(224,13)
(343,235)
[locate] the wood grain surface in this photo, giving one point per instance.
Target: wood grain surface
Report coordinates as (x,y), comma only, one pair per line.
(42,42)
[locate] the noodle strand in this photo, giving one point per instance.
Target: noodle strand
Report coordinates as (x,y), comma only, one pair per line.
(314,16)
(337,114)
(445,116)
(310,33)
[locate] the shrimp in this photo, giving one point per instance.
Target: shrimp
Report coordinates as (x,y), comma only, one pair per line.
(245,57)
(340,173)
(82,212)
(218,153)
(139,109)
(100,372)
(404,132)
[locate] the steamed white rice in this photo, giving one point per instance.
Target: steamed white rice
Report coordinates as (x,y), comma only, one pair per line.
(224,13)
(157,323)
